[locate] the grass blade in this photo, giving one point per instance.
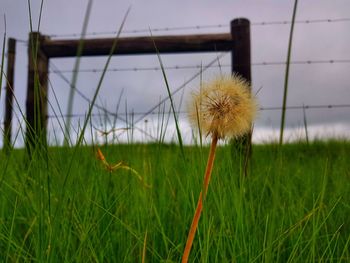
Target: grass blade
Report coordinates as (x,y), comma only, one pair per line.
(75,74)
(171,100)
(286,77)
(305,125)
(3,56)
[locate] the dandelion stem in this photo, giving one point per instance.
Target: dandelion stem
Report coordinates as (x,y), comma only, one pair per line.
(199,208)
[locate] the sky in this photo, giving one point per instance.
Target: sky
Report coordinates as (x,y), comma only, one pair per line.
(309,84)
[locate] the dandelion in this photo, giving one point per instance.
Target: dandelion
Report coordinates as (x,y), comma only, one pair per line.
(223,108)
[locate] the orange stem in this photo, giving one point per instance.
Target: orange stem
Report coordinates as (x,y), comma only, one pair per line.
(199,208)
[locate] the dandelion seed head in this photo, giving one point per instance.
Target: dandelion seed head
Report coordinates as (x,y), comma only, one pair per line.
(223,107)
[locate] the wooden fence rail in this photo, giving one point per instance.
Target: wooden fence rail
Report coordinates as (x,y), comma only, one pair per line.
(138,45)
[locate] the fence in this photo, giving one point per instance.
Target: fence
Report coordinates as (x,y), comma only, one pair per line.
(46,48)
(41,48)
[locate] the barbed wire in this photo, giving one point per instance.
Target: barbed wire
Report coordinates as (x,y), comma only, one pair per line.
(202,69)
(179,67)
(321,106)
(271,108)
(83,96)
(105,110)
(304,21)
(200,27)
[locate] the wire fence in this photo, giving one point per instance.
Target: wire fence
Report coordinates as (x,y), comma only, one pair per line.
(105,128)
(181,87)
(138,116)
(267,108)
(198,66)
(200,27)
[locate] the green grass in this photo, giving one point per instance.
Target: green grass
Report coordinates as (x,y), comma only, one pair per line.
(294,206)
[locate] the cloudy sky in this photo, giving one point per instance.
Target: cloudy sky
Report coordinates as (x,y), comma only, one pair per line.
(309,84)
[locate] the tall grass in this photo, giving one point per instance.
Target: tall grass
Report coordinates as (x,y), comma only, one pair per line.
(295,210)
(171,101)
(286,77)
(75,73)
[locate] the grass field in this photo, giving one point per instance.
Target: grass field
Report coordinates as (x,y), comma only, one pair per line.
(65,207)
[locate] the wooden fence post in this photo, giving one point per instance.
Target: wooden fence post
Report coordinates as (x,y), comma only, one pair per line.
(9,89)
(241,61)
(241,65)
(36,103)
